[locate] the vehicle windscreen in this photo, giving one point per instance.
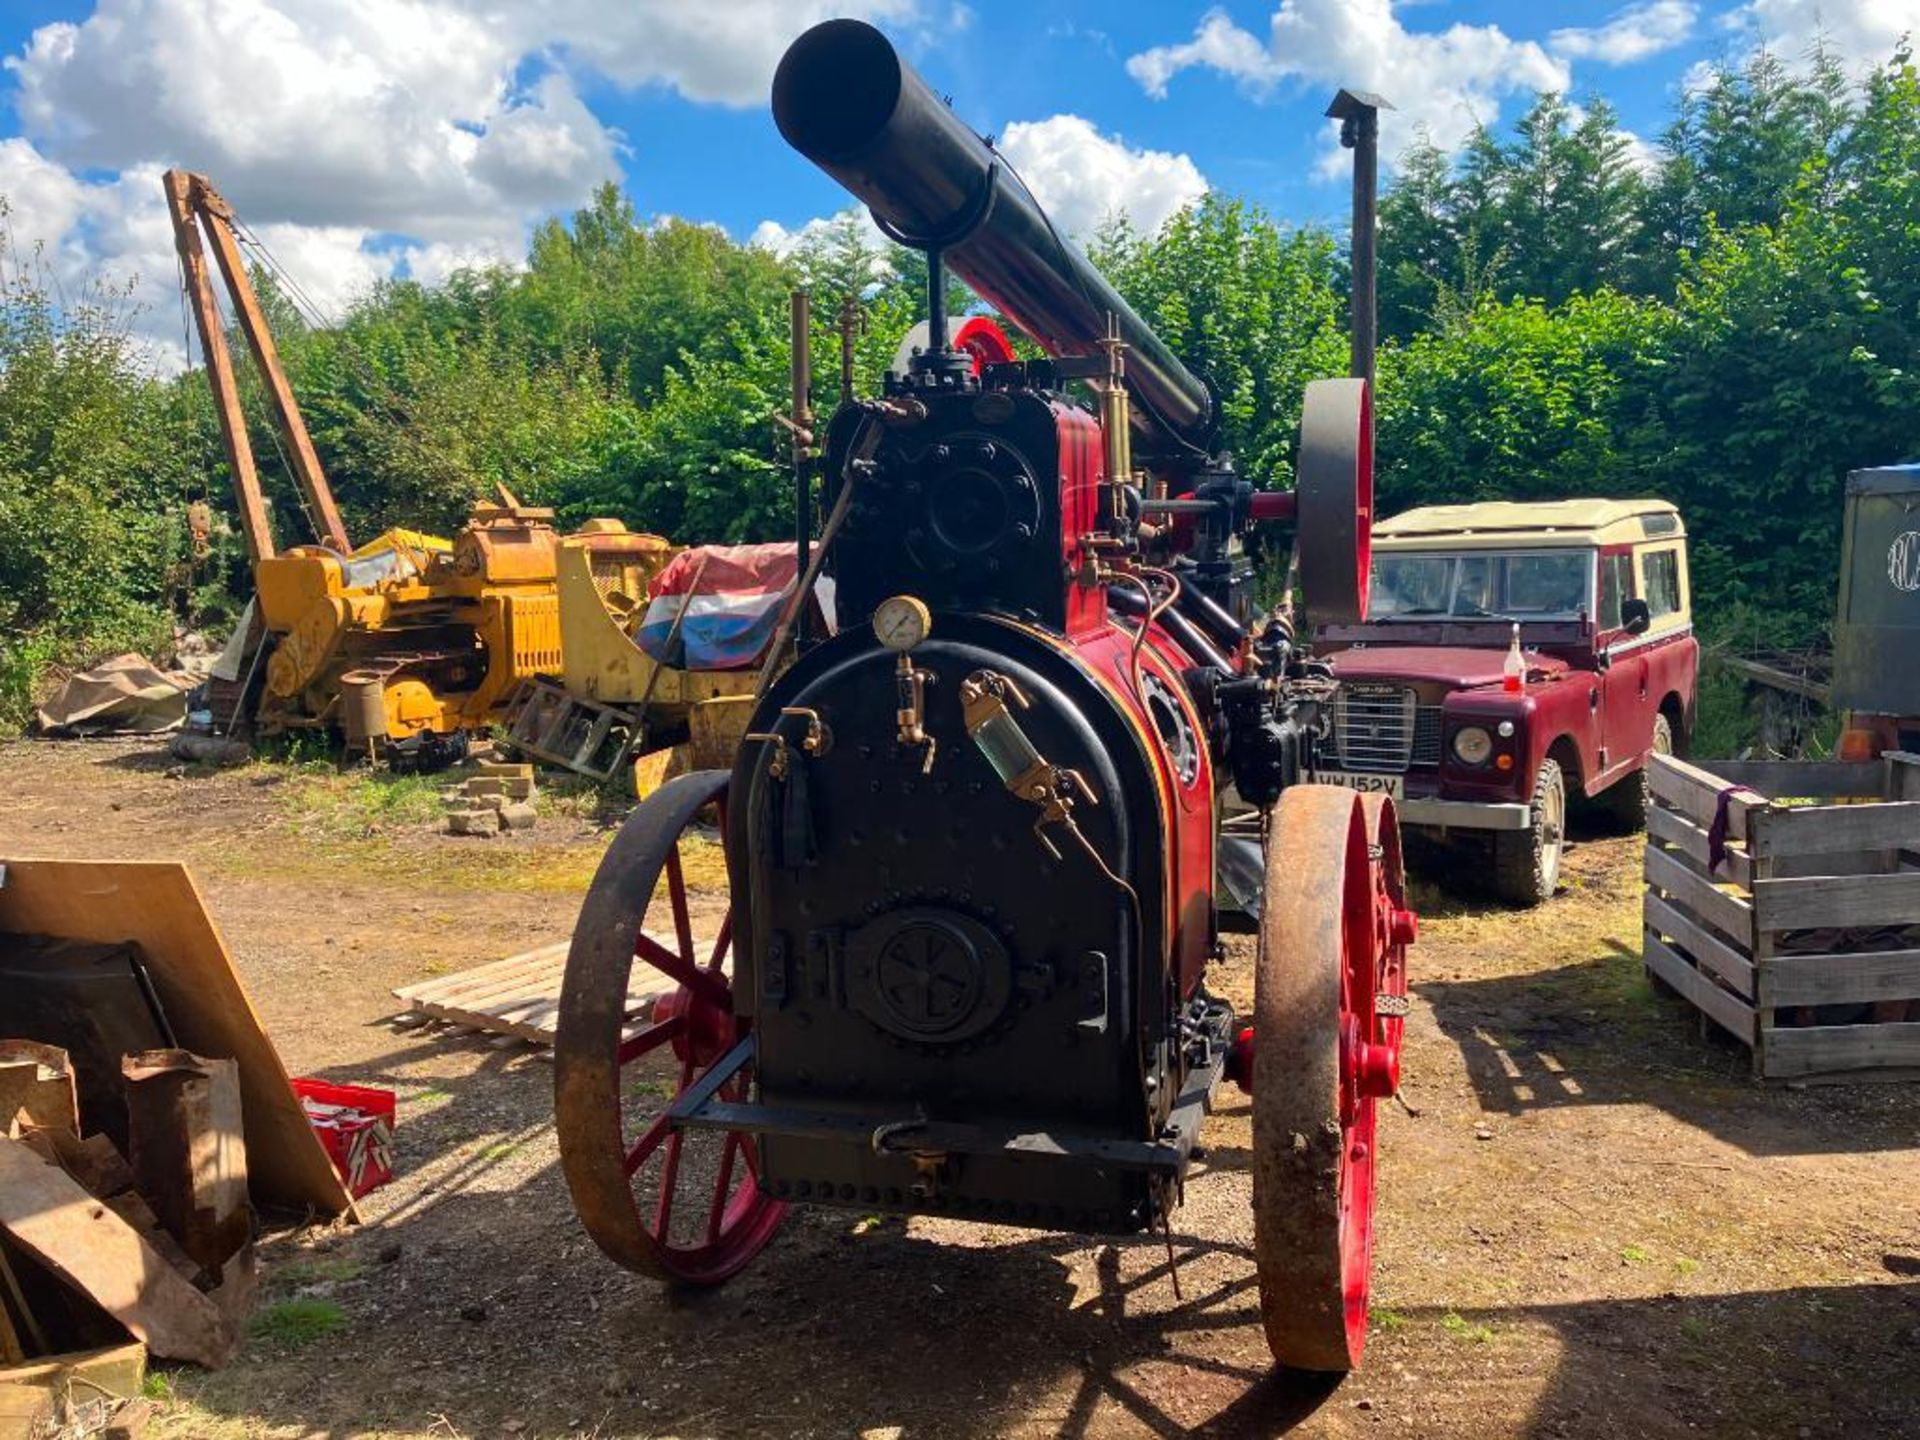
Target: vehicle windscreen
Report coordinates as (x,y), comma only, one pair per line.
(1502,584)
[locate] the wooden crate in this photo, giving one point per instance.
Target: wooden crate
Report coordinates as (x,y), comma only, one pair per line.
(1784,927)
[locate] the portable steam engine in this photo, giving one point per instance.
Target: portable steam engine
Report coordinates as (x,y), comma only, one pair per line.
(971,843)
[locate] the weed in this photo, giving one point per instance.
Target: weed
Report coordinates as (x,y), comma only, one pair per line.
(1634,1255)
(1389,1320)
(1461,1328)
(430,1100)
(299,1321)
(157,1385)
(1686,1266)
(499,1149)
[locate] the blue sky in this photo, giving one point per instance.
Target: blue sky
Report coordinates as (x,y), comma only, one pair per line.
(365,137)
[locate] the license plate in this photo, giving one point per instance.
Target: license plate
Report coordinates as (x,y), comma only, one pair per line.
(1392,786)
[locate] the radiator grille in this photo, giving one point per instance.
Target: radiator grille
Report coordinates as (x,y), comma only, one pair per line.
(1373,729)
(1383,731)
(1426,735)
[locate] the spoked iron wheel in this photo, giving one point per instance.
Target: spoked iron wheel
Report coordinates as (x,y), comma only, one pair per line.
(1329,1002)
(646,1009)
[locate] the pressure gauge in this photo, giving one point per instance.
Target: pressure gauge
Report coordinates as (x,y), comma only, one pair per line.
(901,623)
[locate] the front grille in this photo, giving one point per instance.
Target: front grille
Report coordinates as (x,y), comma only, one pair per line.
(1374,728)
(1426,735)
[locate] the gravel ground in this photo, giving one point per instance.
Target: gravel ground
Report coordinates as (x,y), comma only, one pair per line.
(1592,1222)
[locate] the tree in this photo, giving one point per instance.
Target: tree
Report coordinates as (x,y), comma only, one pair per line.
(1253,308)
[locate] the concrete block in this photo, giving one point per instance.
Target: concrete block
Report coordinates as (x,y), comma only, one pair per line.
(473,822)
(502,770)
(519,816)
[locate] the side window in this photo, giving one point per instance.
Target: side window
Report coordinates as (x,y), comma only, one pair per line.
(1662,569)
(1616,584)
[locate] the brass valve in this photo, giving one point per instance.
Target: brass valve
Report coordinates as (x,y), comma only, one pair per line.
(816,739)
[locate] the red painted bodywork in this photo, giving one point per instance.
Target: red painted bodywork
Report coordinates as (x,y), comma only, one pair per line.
(1186,806)
(1594,701)
(1456,665)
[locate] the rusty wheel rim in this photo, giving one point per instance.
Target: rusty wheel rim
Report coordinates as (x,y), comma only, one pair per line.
(1332,943)
(673,1204)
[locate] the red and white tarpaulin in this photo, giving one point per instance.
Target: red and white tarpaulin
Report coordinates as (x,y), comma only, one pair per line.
(733,596)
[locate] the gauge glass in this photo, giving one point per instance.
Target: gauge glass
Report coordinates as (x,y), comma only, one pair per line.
(901,623)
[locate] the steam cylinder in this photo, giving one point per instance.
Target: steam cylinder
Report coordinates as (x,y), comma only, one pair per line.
(845,99)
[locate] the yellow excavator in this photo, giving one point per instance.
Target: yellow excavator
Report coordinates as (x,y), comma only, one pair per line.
(405,645)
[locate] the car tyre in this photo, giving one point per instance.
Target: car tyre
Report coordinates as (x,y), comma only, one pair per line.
(1526,863)
(1629,801)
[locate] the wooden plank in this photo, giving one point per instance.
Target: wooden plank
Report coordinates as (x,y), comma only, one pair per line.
(1695,793)
(1815,902)
(1774,678)
(1723,1007)
(114,1370)
(1730,914)
(156,903)
(1795,1051)
(478,997)
(1805,779)
(89,1246)
(1670,827)
(1824,829)
(1842,979)
(1708,950)
(526,963)
(1903,775)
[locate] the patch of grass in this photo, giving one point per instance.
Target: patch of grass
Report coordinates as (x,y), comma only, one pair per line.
(428,1100)
(1694,1328)
(1389,1320)
(361,802)
(499,1149)
(157,1385)
(300,1321)
(1685,1265)
(1461,1328)
(1634,1255)
(318,1269)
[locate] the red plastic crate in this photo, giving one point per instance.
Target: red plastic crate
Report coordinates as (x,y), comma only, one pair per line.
(355,1124)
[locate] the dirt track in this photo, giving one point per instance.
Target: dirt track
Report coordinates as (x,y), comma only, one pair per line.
(1592,1223)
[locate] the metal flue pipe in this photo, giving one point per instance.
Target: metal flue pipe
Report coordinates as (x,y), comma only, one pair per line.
(845,99)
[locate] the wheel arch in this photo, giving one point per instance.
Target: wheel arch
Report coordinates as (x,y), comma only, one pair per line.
(1566,751)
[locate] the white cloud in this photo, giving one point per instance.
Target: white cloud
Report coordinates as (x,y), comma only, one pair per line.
(1445,80)
(1633,34)
(772,235)
(360,138)
(1860,33)
(714,50)
(1081,176)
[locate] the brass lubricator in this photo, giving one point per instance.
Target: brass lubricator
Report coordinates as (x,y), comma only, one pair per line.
(1022,769)
(900,623)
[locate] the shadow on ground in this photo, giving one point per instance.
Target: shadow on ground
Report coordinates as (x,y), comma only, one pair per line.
(1595,1033)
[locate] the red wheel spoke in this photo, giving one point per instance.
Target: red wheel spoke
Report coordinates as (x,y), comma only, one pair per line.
(670,1176)
(649,1039)
(677,893)
(722,1185)
(647,1143)
(706,986)
(721,941)
(728,1220)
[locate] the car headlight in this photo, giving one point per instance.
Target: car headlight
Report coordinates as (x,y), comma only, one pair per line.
(1472,745)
